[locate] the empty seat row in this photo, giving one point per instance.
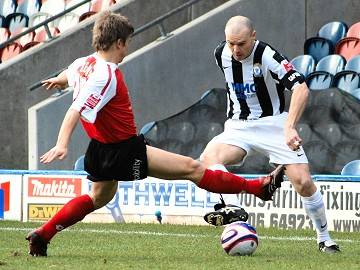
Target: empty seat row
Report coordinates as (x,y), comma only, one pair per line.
(334,37)
(25,42)
(330,71)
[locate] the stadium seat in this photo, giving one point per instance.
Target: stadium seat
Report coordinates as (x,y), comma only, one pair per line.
(171,145)
(319,80)
(305,132)
(7,7)
(29,37)
(332,64)
(10,51)
(356,93)
(328,132)
(79,164)
(28,7)
(4,34)
(345,152)
(183,131)
(354,30)
(347,80)
(351,168)
(147,127)
(319,156)
(353,64)
(42,36)
(16,21)
(155,132)
(53,7)
(97,6)
(318,47)
(66,21)
(348,47)
(305,64)
(2,21)
(333,31)
(80,10)
(39,17)
(194,148)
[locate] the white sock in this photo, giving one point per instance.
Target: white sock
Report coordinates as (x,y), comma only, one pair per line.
(315,209)
(219,167)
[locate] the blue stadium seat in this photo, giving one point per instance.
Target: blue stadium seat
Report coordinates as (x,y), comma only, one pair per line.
(16,21)
(305,64)
(318,47)
(332,64)
(147,127)
(351,168)
(28,7)
(353,64)
(356,93)
(347,80)
(79,164)
(333,31)
(319,80)
(345,152)
(7,7)
(2,21)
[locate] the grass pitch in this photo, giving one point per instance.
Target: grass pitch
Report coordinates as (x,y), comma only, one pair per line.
(154,246)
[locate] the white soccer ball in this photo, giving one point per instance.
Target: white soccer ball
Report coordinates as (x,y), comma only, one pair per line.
(239,239)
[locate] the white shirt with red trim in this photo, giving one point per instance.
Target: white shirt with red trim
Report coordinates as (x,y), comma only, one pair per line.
(102,98)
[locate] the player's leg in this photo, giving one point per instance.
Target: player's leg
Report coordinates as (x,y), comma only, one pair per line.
(166,165)
(72,212)
(300,177)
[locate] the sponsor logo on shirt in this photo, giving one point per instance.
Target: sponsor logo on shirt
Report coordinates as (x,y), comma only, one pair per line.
(287,65)
(92,101)
(244,90)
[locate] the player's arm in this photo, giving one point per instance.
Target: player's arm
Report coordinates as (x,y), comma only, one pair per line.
(59,151)
(58,82)
(292,80)
(300,94)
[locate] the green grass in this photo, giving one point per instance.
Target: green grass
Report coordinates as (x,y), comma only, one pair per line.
(152,246)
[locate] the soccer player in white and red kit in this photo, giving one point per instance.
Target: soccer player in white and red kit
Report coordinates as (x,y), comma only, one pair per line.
(101,102)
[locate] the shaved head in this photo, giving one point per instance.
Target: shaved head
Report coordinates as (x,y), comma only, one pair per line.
(240,36)
(237,24)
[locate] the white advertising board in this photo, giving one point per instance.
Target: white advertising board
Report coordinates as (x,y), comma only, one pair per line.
(11,184)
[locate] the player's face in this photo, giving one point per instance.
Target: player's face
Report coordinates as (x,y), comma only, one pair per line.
(240,44)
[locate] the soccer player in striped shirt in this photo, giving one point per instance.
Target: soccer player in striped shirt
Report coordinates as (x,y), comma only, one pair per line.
(102,104)
(256,76)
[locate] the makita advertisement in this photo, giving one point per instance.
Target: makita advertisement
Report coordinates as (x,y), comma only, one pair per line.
(11,185)
(44,195)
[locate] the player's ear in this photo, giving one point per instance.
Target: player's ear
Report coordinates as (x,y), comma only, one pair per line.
(253,34)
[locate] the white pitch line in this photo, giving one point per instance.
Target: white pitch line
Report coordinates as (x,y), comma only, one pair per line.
(187,235)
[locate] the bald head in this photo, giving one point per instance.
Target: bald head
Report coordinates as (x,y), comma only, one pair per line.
(238,24)
(240,36)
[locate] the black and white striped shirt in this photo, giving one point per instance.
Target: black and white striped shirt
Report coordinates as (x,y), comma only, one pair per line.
(256,84)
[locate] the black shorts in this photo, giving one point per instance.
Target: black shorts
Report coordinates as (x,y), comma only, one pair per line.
(123,161)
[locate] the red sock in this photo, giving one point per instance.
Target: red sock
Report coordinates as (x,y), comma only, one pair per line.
(224,182)
(72,212)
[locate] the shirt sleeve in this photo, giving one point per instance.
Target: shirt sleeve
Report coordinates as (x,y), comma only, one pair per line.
(94,94)
(283,70)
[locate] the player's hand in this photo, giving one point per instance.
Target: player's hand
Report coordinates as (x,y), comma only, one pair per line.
(293,139)
(54,153)
(53,83)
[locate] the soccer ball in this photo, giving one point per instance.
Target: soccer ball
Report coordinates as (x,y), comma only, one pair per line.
(239,239)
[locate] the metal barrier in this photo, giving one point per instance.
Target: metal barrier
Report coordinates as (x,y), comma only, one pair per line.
(156,22)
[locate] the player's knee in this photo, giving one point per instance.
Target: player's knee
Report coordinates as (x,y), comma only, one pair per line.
(304,186)
(193,167)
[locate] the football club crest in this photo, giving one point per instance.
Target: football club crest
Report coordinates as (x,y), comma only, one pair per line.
(257,72)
